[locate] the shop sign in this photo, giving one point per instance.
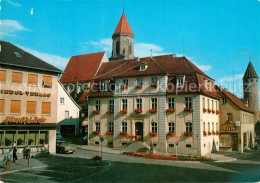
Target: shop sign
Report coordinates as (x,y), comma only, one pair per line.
(237,123)
(228,128)
(37,94)
(9,119)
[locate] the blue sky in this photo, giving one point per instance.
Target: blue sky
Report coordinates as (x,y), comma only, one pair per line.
(218,35)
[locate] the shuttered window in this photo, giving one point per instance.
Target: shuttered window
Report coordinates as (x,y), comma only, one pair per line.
(2,105)
(47,80)
(15,106)
(46,108)
(17,77)
(31,107)
(32,79)
(2,76)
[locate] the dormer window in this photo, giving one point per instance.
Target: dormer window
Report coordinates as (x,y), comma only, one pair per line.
(142,67)
(104,86)
(17,54)
(180,81)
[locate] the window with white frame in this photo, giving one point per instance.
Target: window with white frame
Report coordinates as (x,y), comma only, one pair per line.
(213,127)
(61,101)
(206,84)
(139,103)
(97,126)
(208,126)
(224,100)
(204,126)
(154,80)
(124,104)
(217,127)
(203,102)
(142,67)
(180,81)
(171,127)
(111,127)
(124,127)
(78,89)
(104,86)
(171,103)
(154,127)
(212,103)
(188,127)
(139,81)
(188,102)
(125,81)
(154,103)
(98,105)
(67,114)
(208,104)
(111,105)
(216,105)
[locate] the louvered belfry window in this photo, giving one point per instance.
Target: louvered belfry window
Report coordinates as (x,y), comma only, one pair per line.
(46,108)
(31,107)
(17,77)
(15,106)
(2,105)
(32,79)
(47,80)
(2,76)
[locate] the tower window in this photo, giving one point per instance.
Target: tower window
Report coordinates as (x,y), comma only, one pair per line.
(130,49)
(117,47)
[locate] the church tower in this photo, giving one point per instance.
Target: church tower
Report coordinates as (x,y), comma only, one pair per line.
(251,91)
(123,41)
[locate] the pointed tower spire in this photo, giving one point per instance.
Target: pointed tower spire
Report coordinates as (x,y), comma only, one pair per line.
(250,72)
(123,26)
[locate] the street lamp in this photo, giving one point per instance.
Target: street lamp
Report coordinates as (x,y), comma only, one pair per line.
(101,138)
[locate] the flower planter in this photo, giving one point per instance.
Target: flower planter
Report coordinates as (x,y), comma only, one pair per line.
(138,137)
(110,112)
(153,111)
(96,158)
(96,112)
(123,87)
(188,109)
(153,85)
(122,133)
(213,133)
(213,112)
(170,110)
(95,132)
(138,86)
(209,133)
(204,133)
(110,133)
(124,111)
(217,133)
(188,134)
(153,134)
(204,110)
(171,134)
(217,112)
(138,111)
(209,111)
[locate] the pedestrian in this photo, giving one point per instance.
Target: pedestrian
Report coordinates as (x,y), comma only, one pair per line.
(255,146)
(15,155)
(9,157)
(28,149)
(25,152)
(151,147)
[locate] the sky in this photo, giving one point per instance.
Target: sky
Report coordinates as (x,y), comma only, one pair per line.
(219,36)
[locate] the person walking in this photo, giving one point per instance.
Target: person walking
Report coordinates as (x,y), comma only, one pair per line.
(151,147)
(15,155)
(255,146)
(9,157)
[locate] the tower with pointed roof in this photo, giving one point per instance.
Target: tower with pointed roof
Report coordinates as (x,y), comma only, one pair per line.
(251,91)
(123,41)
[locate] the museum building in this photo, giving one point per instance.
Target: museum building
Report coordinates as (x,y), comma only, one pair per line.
(28,100)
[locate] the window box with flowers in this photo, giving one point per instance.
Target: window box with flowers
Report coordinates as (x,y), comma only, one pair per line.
(96,111)
(170,110)
(124,87)
(188,109)
(204,110)
(110,133)
(122,133)
(138,137)
(110,112)
(213,133)
(188,134)
(96,132)
(209,110)
(153,85)
(209,133)
(213,112)
(124,111)
(217,133)
(153,111)
(139,86)
(138,111)
(171,134)
(204,133)
(153,134)
(217,112)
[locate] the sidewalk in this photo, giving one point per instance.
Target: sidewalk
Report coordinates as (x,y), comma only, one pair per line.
(22,165)
(98,149)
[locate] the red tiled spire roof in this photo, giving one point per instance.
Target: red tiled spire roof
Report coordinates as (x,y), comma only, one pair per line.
(123,26)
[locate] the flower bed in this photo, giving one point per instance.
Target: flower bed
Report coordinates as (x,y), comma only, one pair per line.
(188,109)
(188,134)
(138,111)
(153,111)
(139,86)
(124,111)
(170,110)
(154,134)
(96,112)
(151,156)
(110,133)
(110,112)
(96,158)
(153,85)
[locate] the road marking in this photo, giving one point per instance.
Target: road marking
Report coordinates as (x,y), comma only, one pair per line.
(14,180)
(37,175)
(56,171)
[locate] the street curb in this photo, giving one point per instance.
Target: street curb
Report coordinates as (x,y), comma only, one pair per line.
(97,151)
(14,171)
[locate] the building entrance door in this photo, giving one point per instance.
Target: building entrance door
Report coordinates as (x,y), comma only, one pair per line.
(234,142)
(139,129)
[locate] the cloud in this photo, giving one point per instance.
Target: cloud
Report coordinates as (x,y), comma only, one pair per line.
(236,77)
(9,27)
(13,3)
(102,45)
(204,68)
(144,50)
(56,60)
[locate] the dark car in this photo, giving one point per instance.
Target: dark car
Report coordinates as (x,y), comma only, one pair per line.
(64,147)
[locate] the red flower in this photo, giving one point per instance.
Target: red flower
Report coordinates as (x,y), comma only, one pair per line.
(110,133)
(188,134)
(188,109)
(124,111)
(139,86)
(154,134)
(96,132)
(204,110)
(217,133)
(170,134)
(213,112)
(138,111)
(96,112)
(170,110)
(123,87)
(204,133)
(110,112)
(209,133)
(217,112)
(153,110)
(122,133)
(209,111)
(153,85)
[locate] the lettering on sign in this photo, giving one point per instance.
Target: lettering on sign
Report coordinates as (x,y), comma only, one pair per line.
(228,128)
(36,94)
(9,119)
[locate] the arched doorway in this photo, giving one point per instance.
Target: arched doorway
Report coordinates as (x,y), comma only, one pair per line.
(139,130)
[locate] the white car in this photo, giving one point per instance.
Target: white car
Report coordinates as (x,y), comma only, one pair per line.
(58,136)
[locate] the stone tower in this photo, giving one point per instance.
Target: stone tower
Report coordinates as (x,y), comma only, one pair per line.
(123,41)
(251,91)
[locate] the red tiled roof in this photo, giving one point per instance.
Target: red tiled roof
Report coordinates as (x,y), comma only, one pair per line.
(82,68)
(123,26)
(235,100)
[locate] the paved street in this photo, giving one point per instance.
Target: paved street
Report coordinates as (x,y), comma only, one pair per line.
(122,168)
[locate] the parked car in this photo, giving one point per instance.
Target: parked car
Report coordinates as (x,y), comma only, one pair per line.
(58,136)
(64,147)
